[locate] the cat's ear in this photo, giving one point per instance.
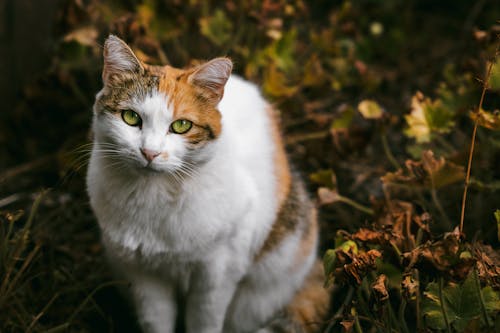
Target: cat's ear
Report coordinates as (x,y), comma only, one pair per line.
(211,77)
(119,60)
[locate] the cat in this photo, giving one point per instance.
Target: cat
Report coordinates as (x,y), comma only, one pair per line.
(196,201)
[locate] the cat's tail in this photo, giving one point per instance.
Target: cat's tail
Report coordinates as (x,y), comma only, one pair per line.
(308,310)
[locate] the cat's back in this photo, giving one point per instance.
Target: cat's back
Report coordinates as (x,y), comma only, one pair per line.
(247,120)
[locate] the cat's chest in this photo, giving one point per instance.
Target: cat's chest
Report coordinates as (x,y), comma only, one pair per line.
(145,220)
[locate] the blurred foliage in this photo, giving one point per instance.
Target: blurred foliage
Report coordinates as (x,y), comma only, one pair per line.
(378,100)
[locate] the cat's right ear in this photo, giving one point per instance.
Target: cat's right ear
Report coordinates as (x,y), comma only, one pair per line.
(119,60)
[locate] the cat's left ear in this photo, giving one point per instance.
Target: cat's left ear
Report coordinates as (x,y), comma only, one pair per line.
(119,60)
(211,77)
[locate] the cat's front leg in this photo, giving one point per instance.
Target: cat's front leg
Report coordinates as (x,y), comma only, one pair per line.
(155,303)
(210,293)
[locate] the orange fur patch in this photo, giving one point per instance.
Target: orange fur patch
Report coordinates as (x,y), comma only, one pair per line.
(309,239)
(282,168)
(186,103)
(310,305)
(283,225)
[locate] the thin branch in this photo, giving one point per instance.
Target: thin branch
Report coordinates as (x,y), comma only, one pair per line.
(302,137)
(416,274)
(474,131)
(338,314)
(388,152)
(356,205)
(20,169)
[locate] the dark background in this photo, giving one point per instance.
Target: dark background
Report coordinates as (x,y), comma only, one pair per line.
(316,60)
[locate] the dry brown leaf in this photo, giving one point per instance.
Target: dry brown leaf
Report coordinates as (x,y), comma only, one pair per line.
(410,287)
(401,223)
(446,255)
(360,266)
(327,196)
(428,173)
(488,264)
(347,325)
(371,236)
(379,288)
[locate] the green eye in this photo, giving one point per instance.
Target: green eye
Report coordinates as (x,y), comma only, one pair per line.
(181,126)
(131,118)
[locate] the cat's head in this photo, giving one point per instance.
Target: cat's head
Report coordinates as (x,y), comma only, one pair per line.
(156,118)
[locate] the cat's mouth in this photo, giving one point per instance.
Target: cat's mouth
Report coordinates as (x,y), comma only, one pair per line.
(150,167)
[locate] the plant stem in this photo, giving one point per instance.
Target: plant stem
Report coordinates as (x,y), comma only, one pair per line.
(391,316)
(357,326)
(439,207)
(301,137)
(441,302)
(401,315)
(41,313)
(347,300)
(418,240)
(398,252)
(388,152)
(356,205)
(473,141)
(417,305)
(82,305)
(483,306)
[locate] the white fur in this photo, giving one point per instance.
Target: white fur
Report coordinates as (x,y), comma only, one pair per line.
(195,238)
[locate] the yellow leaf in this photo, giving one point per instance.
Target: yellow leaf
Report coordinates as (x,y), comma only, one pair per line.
(490,120)
(370,109)
(418,127)
(275,83)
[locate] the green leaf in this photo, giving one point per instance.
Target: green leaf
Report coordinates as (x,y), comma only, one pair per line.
(494,81)
(218,28)
(282,51)
(431,307)
(344,121)
(491,300)
(329,261)
(324,178)
(428,117)
(461,303)
(464,301)
(349,246)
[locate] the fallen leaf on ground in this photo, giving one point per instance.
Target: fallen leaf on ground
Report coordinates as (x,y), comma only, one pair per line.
(370,109)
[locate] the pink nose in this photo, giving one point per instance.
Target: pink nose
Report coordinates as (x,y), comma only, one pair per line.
(149,154)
